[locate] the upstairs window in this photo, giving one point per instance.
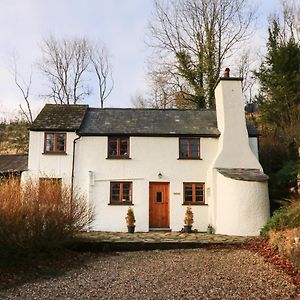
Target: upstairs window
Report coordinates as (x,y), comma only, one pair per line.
(55,142)
(118,147)
(193,193)
(189,148)
(121,193)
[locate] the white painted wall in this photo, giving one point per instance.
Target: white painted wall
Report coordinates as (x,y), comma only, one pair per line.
(242,206)
(51,165)
(149,156)
(253,143)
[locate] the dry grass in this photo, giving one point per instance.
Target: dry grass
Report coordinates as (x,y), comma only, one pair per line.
(37,217)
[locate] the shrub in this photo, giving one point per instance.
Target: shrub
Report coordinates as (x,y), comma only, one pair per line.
(37,217)
(189,216)
(284,218)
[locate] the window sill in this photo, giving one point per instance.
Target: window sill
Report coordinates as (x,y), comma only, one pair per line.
(192,204)
(118,157)
(54,153)
(121,204)
(189,158)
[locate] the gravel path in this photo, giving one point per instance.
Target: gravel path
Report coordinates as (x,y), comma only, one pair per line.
(176,274)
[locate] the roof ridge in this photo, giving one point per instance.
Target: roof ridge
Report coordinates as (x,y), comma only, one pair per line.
(149,109)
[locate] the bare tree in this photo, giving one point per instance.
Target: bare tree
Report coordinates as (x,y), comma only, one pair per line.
(65,64)
(100,62)
(291,19)
(192,39)
(24,87)
(68,65)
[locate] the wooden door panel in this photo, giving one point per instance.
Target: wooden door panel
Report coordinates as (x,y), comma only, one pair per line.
(159,205)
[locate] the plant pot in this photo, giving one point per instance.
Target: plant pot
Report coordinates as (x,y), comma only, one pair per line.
(131,228)
(187,228)
(210,230)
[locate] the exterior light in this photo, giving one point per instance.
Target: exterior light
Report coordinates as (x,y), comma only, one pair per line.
(159,175)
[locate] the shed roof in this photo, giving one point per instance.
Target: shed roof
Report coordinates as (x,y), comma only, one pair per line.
(244,174)
(10,163)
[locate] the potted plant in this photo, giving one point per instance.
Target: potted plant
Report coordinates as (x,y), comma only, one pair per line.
(210,229)
(130,220)
(188,220)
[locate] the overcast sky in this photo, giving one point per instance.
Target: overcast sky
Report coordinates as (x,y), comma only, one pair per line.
(120,24)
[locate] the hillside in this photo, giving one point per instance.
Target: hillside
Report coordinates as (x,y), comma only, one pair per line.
(14,137)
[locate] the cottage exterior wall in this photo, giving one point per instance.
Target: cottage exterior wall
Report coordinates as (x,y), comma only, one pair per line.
(50,165)
(148,157)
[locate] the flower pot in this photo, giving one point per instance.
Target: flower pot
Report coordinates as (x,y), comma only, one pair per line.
(187,228)
(131,228)
(210,230)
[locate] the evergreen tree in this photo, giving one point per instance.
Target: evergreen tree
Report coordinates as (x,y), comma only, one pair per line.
(279,78)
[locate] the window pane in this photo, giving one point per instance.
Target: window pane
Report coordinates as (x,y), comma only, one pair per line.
(199,193)
(61,142)
(112,147)
(183,148)
(158,196)
(126,191)
(194,148)
(49,142)
(115,191)
(124,146)
(188,192)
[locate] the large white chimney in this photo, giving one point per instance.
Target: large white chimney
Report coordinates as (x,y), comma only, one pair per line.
(234,150)
(240,201)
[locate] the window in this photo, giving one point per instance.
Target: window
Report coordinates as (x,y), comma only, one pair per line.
(189,148)
(121,192)
(193,193)
(55,142)
(118,147)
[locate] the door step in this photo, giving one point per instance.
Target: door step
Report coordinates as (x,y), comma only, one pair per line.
(160,229)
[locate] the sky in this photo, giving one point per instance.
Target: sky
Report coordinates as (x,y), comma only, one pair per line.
(120,24)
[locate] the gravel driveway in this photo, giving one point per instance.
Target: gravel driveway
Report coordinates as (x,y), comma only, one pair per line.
(174,274)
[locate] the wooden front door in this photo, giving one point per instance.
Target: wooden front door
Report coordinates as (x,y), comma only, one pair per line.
(159,205)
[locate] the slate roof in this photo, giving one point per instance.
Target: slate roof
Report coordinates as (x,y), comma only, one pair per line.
(149,122)
(244,174)
(59,117)
(129,121)
(10,163)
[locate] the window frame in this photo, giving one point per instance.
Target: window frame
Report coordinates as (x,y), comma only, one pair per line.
(121,193)
(189,139)
(56,134)
(194,202)
(118,155)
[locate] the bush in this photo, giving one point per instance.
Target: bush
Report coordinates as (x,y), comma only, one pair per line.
(284,218)
(37,217)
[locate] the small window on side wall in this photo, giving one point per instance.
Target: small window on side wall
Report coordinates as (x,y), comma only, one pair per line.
(189,148)
(118,147)
(193,193)
(55,142)
(121,193)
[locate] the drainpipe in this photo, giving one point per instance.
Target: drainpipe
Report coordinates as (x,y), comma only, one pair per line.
(73,167)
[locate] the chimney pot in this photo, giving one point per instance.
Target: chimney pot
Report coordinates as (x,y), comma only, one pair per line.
(226,73)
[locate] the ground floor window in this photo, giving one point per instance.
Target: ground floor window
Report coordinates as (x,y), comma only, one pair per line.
(193,193)
(121,193)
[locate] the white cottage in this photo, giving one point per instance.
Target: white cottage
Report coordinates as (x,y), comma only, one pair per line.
(158,162)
